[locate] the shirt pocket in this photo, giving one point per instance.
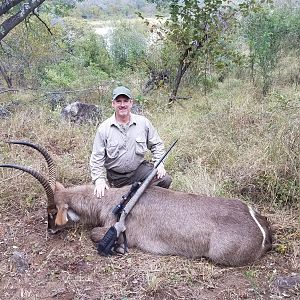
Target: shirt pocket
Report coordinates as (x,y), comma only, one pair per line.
(140,146)
(112,149)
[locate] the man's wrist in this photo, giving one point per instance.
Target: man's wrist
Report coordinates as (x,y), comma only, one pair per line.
(100,181)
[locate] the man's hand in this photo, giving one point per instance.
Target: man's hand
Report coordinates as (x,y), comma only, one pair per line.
(161,172)
(100,186)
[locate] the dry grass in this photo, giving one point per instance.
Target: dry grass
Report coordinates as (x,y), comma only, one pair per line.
(237,141)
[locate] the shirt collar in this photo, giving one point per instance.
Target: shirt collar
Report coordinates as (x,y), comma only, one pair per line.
(113,120)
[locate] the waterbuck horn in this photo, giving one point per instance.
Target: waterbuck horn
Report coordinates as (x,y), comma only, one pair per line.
(48,158)
(44,182)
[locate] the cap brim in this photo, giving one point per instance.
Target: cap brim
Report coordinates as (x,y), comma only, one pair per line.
(124,94)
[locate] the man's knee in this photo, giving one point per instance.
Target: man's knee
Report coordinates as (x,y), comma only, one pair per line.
(165,181)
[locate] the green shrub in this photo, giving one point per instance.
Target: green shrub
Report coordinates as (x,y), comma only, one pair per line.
(86,61)
(72,74)
(91,50)
(269,35)
(128,45)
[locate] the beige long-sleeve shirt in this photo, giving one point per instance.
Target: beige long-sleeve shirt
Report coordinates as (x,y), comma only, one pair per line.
(123,149)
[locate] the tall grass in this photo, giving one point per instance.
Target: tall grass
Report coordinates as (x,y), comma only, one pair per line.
(69,146)
(235,144)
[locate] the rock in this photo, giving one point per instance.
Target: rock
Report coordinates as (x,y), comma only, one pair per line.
(7,109)
(80,113)
(137,109)
(56,100)
(286,282)
(4,113)
(19,261)
(286,285)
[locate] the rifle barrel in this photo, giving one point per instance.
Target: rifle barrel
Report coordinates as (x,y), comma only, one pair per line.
(164,156)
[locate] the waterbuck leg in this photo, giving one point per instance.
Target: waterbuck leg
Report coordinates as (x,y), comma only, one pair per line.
(98,233)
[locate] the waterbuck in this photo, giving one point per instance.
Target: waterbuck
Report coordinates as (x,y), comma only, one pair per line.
(226,231)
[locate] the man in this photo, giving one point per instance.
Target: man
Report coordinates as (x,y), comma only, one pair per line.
(120,145)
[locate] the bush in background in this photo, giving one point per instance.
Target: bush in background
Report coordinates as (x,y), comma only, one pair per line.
(128,45)
(269,35)
(87,63)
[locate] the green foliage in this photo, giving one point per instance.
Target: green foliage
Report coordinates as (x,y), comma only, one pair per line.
(212,66)
(292,20)
(85,60)
(87,51)
(27,49)
(59,75)
(203,29)
(128,46)
(91,49)
(270,35)
(59,7)
(191,21)
(71,57)
(71,74)
(265,32)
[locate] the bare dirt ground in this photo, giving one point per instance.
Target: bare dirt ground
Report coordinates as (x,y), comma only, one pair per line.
(35,265)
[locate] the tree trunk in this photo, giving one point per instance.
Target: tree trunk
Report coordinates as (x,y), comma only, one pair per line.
(252,68)
(177,81)
(184,64)
(5,76)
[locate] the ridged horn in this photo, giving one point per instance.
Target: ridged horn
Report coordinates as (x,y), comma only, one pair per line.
(46,155)
(44,182)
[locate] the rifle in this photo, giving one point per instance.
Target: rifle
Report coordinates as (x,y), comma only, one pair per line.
(126,198)
(108,244)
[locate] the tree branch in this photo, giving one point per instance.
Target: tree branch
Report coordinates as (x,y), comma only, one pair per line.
(14,20)
(7,5)
(49,30)
(9,90)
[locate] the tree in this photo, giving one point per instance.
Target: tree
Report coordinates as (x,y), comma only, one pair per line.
(17,17)
(17,11)
(197,27)
(266,33)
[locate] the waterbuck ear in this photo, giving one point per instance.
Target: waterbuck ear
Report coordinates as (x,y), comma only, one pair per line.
(62,215)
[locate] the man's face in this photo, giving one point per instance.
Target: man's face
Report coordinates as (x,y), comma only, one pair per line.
(122,105)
